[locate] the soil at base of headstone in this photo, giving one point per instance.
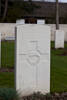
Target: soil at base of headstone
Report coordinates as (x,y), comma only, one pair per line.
(54,96)
(64,51)
(63,54)
(6,70)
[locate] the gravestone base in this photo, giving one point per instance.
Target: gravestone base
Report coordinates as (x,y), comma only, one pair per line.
(59,39)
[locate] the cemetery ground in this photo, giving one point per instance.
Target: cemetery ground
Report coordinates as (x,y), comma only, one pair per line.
(58,67)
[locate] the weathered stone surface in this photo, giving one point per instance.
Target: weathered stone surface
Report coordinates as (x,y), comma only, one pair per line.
(33,58)
(59,39)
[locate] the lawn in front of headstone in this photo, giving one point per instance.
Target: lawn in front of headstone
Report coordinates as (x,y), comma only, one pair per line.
(7,54)
(58,67)
(6,79)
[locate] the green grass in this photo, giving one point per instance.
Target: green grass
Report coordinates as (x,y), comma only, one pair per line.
(58,67)
(7,79)
(58,71)
(7,51)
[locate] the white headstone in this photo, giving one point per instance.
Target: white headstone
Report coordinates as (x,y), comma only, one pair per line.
(20,21)
(59,39)
(33,58)
(40,21)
